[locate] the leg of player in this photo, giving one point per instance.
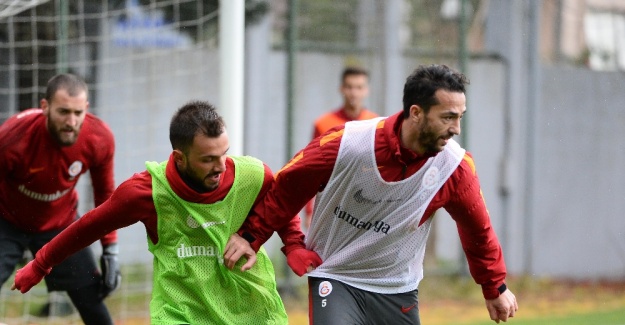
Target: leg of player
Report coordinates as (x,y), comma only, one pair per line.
(402,308)
(332,302)
(12,246)
(90,307)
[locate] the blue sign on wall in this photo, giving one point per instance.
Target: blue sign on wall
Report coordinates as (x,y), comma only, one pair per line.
(146,30)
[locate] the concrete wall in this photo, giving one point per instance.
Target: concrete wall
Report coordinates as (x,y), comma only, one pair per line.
(580,231)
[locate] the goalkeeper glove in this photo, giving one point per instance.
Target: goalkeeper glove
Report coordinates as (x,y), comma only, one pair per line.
(111,275)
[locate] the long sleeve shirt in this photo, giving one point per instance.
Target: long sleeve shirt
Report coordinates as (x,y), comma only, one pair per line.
(309,171)
(132,202)
(338,117)
(38,176)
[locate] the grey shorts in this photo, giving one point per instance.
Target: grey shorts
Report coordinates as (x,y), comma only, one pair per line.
(77,271)
(334,302)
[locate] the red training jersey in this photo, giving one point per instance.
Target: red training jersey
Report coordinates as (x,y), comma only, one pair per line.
(329,120)
(132,202)
(309,171)
(39,176)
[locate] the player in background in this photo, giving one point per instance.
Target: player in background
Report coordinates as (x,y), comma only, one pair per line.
(378,183)
(191,206)
(354,90)
(43,153)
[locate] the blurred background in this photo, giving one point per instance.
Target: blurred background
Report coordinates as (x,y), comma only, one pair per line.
(545,108)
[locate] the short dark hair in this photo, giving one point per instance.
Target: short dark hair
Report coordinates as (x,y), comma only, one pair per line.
(425,80)
(72,83)
(195,117)
(354,71)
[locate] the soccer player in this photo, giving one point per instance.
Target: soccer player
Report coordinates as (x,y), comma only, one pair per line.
(354,90)
(43,153)
(191,206)
(378,183)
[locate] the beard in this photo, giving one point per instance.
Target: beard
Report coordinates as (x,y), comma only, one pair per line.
(61,136)
(196,182)
(429,139)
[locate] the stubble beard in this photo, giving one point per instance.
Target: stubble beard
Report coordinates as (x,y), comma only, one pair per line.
(429,139)
(57,134)
(198,182)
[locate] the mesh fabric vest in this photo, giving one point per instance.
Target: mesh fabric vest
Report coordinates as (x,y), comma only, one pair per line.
(367,231)
(191,284)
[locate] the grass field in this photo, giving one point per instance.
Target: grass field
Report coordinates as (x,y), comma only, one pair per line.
(541,301)
(447,300)
(444,300)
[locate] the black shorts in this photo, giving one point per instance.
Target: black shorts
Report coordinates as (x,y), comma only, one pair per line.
(77,271)
(334,302)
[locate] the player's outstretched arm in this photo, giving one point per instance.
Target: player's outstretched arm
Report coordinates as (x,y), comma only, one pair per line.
(502,307)
(28,276)
(236,248)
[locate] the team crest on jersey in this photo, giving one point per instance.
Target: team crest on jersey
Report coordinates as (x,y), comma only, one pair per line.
(325,288)
(75,168)
(431,178)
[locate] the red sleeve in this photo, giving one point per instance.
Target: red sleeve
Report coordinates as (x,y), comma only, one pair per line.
(295,184)
(308,209)
(130,203)
(102,169)
(478,238)
(102,178)
(291,235)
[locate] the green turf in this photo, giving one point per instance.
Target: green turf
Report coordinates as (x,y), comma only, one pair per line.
(609,317)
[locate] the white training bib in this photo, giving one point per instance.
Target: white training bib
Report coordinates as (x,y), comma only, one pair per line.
(366,230)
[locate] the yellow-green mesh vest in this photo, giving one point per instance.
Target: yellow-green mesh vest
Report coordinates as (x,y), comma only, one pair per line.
(191,284)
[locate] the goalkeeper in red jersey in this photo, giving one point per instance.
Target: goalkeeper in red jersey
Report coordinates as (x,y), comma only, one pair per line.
(191,206)
(43,153)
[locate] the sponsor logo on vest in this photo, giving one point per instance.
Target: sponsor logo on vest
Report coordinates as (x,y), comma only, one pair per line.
(377,226)
(42,197)
(361,199)
(358,197)
(192,223)
(192,251)
(212,223)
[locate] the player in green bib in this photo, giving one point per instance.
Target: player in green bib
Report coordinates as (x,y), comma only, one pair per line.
(191,206)
(191,283)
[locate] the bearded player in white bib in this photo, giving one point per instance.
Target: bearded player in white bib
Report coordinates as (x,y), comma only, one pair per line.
(377,185)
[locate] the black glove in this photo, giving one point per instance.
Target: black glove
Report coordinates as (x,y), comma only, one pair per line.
(111,276)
